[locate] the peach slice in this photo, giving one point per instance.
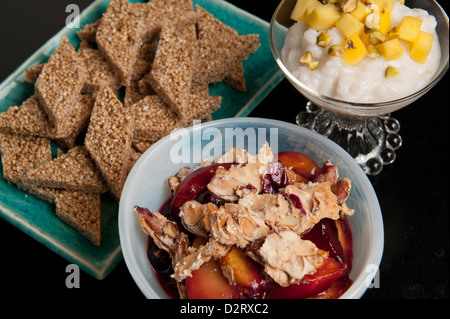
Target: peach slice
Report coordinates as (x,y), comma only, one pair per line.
(311,285)
(208,282)
(241,268)
(299,163)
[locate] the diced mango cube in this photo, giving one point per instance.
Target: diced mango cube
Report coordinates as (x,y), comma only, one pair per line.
(364,38)
(349,25)
(354,50)
(385,22)
(360,12)
(385,5)
(421,48)
(307,12)
(385,8)
(322,17)
(300,7)
(409,28)
(391,49)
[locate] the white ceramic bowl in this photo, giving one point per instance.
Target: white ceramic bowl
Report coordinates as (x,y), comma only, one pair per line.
(146,186)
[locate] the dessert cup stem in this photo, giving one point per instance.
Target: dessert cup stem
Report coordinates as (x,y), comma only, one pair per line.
(371,141)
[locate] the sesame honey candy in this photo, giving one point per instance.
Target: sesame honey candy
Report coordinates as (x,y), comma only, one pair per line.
(148,39)
(236,78)
(216,58)
(16,163)
(132,94)
(30,119)
(200,89)
(108,139)
(74,170)
(60,83)
(210,65)
(172,69)
(189,32)
(153,119)
(136,91)
(135,155)
(145,88)
(144,59)
(187,25)
(172,13)
(44,193)
(82,211)
(88,32)
(209,27)
(67,142)
(200,107)
(150,19)
(21,154)
(141,147)
(207,119)
(32,73)
(120,35)
(99,71)
(85,45)
(27,119)
(78,119)
(168,12)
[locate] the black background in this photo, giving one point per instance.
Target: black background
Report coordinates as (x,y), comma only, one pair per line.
(413,192)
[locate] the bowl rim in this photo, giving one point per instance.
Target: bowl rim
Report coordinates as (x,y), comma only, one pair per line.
(382,107)
(360,284)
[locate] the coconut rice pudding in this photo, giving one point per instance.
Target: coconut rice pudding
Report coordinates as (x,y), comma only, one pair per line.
(364,51)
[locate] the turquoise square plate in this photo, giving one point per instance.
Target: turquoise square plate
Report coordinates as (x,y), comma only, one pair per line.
(36,217)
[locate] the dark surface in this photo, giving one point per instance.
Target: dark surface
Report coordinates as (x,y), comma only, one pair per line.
(413,192)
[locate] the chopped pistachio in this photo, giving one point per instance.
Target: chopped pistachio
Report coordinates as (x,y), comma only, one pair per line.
(306,57)
(313,65)
(373,52)
(323,40)
(390,72)
(336,50)
(373,21)
(376,37)
(349,5)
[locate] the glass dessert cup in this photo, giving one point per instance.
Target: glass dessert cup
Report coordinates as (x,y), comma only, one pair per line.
(365,130)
